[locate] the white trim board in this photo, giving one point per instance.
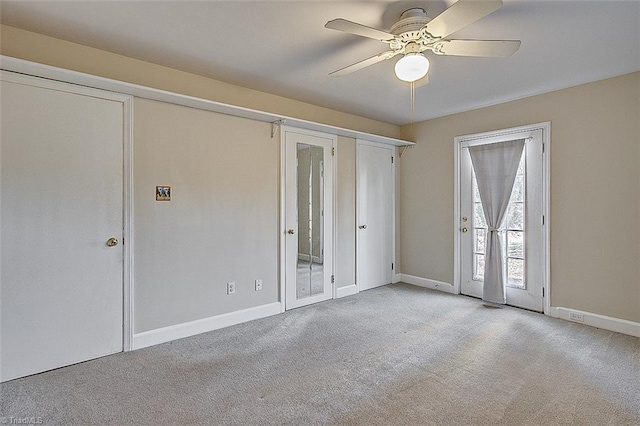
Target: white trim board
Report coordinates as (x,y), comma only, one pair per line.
(427,283)
(191,328)
(596,320)
(346,291)
(32,68)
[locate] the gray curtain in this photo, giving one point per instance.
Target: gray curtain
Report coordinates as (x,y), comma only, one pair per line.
(495,166)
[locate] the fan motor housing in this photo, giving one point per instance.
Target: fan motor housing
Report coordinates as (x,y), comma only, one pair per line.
(410,23)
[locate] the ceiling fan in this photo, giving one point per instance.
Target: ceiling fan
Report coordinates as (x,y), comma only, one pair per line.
(415,33)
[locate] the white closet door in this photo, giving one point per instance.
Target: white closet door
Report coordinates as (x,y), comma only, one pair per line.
(61,180)
(375,204)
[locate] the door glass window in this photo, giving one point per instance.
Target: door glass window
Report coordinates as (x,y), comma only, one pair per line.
(512,232)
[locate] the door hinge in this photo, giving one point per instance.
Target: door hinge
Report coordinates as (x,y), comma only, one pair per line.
(542,291)
(333,279)
(333,151)
(542,220)
(543,148)
(391,160)
(391,265)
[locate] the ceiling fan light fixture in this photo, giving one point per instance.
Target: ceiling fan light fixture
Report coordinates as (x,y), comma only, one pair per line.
(412,67)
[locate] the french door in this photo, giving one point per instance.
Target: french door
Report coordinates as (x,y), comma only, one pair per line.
(522,232)
(308,232)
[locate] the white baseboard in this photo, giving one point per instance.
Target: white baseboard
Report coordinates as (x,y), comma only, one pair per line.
(396,278)
(346,291)
(596,320)
(178,331)
(427,283)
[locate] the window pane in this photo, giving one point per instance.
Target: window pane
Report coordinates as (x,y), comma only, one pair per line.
(476,193)
(518,189)
(515,216)
(479,217)
(478,267)
(480,240)
(515,244)
(515,273)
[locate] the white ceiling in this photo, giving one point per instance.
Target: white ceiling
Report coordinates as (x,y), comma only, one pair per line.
(282,47)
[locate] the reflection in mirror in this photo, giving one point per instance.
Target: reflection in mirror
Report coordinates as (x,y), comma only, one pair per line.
(310,271)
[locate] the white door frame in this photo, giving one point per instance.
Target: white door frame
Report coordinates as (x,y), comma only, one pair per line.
(394,275)
(282,223)
(34,79)
(546,197)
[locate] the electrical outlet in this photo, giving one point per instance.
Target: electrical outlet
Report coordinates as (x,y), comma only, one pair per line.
(575,316)
(258,284)
(231,287)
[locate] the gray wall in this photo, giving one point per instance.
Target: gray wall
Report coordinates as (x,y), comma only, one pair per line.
(221,224)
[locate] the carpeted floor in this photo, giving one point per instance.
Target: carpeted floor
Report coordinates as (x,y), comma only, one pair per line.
(396,355)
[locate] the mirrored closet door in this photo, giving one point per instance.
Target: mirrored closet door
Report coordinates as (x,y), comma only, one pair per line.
(308,218)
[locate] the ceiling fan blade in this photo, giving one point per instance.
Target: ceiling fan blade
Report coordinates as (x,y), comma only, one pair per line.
(358,29)
(363,64)
(486,48)
(461,14)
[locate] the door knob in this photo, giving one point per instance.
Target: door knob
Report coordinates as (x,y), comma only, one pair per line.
(291,232)
(112,242)
(464,218)
(362,226)
(464,230)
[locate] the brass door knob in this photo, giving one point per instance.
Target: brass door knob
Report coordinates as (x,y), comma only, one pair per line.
(464,218)
(112,242)
(362,226)
(464,230)
(291,232)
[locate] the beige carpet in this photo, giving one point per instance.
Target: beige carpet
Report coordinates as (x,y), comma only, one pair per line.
(396,355)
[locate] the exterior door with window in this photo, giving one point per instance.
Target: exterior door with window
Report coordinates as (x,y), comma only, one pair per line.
(522,231)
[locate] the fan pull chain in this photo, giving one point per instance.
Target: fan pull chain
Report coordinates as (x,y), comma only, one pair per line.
(413,108)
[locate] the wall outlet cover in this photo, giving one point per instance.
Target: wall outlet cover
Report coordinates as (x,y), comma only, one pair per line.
(258,285)
(231,287)
(575,316)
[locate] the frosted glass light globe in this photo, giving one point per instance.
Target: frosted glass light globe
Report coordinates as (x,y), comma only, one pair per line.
(412,67)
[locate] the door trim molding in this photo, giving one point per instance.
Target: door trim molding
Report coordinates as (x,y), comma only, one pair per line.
(545,127)
(127,181)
